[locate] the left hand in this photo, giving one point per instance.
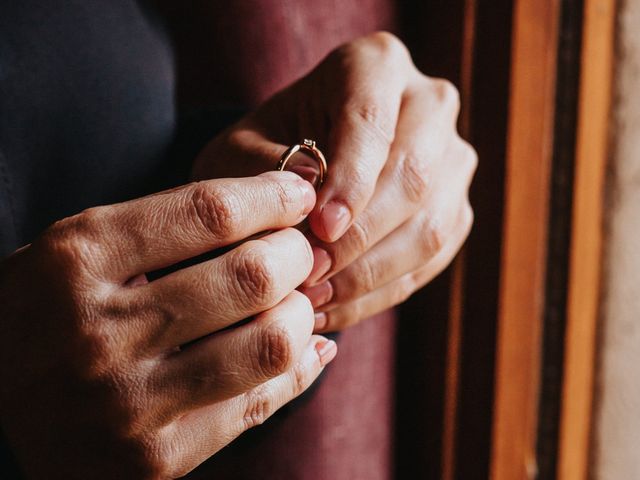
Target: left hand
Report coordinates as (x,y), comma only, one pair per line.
(394,210)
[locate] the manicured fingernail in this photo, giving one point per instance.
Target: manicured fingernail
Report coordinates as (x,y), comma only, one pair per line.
(321,265)
(320,322)
(326,351)
(309,194)
(335,218)
(320,294)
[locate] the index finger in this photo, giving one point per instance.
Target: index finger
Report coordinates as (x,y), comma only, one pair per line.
(160,230)
(363,128)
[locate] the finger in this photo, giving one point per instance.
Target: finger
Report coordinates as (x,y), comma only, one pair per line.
(201,433)
(163,229)
(395,292)
(243,150)
(363,125)
(248,150)
(235,361)
(426,147)
(404,250)
(207,297)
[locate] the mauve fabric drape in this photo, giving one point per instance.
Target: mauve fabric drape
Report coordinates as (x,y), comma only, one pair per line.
(241,52)
(237,54)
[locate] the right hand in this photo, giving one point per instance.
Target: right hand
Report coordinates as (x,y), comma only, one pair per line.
(106,375)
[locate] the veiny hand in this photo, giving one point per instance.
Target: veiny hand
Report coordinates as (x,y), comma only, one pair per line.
(104,374)
(394,211)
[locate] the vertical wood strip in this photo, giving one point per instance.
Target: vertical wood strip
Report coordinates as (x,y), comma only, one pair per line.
(529,156)
(586,246)
(454,333)
(452,371)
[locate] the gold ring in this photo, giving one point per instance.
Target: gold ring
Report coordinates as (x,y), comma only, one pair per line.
(307,146)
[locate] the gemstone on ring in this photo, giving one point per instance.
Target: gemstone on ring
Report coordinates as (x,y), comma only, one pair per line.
(309,147)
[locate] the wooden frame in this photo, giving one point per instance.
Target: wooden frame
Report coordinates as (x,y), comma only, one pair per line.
(585,267)
(448,331)
(508,362)
(521,354)
(529,159)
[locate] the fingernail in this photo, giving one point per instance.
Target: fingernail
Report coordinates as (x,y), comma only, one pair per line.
(309,195)
(321,322)
(326,351)
(320,294)
(138,280)
(335,218)
(321,265)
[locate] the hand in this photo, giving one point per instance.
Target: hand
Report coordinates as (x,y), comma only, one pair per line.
(106,375)
(394,211)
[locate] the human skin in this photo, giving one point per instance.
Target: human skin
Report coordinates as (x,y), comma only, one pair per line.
(394,210)
(95,378)
(104,374)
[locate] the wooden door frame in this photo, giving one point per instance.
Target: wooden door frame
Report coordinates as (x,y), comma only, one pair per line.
(505,340)
(592,149)
(523,271)
(520,355)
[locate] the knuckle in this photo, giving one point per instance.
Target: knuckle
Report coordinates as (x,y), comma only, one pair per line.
(447,93)
(367,277)
(380,46)
(300,379)
(406,287)
(259,407)
(255,277)
(174,460)
(74,242)
(471,158)
(468,217)
(387,45)
(215,211)
(414,176)
(165,458)
(356,281)
(89,222)
(359,237)
(367,113)
(432,239)
(237,138)
(275,351)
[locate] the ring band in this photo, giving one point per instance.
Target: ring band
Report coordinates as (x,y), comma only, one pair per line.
(307,146)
